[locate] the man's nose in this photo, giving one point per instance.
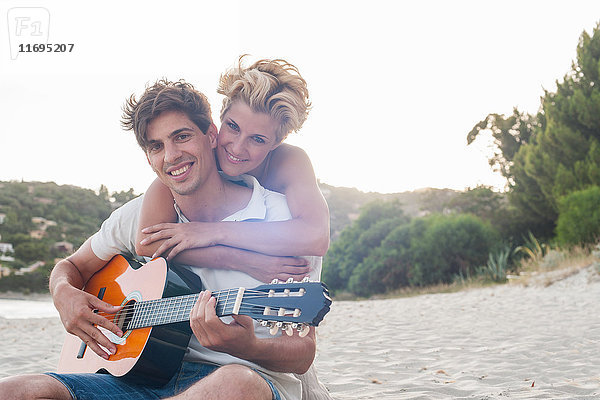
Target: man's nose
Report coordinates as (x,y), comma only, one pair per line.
(172,153)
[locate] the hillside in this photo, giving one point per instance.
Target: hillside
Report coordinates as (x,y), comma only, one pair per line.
(42,221)
(345,203)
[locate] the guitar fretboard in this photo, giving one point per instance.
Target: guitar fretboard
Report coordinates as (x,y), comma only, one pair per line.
(177,309)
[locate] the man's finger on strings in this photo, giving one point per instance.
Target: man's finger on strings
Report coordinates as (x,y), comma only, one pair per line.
(102,320)
(94,338)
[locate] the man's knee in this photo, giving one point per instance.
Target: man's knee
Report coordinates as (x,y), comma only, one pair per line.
(32,387)
(245,375)
(235,381)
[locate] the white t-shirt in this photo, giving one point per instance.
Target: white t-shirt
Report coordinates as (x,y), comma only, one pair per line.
(118,234)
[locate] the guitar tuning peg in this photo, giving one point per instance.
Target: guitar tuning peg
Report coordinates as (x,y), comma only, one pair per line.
(288,329)
(274,329)
(303,330)
(274,281)
(306,279)
(290,280)
(264,323)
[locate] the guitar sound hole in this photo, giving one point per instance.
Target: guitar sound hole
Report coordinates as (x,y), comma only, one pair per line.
(124,317)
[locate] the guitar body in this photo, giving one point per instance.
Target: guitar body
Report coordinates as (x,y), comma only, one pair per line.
(157,300)
(152,354)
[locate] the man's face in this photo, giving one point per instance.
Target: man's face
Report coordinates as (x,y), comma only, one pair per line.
(179,153)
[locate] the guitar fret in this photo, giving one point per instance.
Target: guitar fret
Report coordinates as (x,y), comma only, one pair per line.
(137,311)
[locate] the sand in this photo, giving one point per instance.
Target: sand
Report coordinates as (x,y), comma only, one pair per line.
(539,339)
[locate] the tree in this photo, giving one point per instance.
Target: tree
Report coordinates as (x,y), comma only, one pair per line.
(558,151)
(509,134)
(123,197)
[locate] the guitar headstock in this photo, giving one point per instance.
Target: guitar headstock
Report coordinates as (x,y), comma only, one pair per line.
(287,305)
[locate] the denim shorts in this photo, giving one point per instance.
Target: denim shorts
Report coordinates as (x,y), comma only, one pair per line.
(107,387)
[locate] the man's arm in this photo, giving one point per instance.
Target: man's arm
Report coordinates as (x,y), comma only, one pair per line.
(283,353)
(76,307)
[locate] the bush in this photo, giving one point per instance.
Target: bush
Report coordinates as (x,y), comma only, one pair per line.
(425,251)
(451,245)
(579,217)
(355,243)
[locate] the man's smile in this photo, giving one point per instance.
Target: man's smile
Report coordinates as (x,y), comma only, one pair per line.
(179,172)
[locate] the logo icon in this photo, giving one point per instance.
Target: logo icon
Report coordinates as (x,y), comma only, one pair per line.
(27,25)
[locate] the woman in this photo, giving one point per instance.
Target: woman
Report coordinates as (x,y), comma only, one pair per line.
(263,104)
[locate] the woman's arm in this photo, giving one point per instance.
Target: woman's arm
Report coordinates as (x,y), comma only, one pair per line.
(290,172)
(307,233)
(157,207)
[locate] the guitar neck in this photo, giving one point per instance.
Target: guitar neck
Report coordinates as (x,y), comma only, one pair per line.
(177,309)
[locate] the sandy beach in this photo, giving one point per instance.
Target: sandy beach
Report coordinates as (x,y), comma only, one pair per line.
(522,340)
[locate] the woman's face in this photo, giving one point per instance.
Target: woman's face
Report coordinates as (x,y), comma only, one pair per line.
(245,139)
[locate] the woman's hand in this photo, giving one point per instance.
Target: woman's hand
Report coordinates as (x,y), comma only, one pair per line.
(179,237)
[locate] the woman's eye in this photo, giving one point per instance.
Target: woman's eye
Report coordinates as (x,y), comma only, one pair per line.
(259,140)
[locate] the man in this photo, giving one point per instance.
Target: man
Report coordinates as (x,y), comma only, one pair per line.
(228,361)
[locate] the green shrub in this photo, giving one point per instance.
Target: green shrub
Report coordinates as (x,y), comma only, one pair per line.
(579,217)
(451,245)
(425,251)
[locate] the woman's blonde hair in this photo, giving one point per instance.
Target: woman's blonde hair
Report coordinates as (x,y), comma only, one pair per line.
(274,87)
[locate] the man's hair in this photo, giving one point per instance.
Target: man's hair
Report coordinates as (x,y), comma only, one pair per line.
(163,96)
(274,87)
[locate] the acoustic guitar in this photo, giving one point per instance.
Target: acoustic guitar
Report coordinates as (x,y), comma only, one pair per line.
(157,299)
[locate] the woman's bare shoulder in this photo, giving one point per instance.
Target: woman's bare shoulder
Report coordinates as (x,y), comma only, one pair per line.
(289,165)
(287,154)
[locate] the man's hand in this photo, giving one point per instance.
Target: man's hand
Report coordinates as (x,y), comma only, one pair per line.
(236,338)
(76,309)
(281,353)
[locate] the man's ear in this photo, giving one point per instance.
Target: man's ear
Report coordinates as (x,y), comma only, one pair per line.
(212,134)
(149,163)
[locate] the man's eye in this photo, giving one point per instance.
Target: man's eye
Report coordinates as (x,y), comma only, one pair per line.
(183,136)
(154,147)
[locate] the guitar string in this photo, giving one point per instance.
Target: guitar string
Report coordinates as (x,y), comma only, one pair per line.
(229,293)
(157,313)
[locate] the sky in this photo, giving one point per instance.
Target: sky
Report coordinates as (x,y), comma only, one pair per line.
(395,85)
